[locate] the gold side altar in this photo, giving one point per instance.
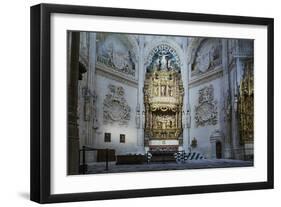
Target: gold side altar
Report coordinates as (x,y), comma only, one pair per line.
(246,105)
(246,111)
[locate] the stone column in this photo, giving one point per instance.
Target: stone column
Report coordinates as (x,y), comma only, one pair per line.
(235,137)
(226,95)
(140,97)
(89,96)
(91,128)
(186,107)
(72,130)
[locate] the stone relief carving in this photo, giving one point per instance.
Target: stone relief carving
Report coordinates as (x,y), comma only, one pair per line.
(119,62)
(206,112)
(115,106)
(208,56)
(114,54)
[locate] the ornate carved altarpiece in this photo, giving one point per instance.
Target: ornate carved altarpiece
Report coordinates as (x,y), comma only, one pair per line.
(163,100)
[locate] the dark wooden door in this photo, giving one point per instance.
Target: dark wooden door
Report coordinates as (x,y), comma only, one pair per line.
(218,150)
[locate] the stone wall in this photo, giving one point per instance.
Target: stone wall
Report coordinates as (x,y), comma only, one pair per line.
(112,120)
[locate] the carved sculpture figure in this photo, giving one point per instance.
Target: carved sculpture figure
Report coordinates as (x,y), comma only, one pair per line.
(163,57)
(163,62)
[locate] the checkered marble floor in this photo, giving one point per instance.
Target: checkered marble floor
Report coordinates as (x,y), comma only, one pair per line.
(94,168)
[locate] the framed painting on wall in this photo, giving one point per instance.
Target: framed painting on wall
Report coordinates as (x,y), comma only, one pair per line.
(148,103)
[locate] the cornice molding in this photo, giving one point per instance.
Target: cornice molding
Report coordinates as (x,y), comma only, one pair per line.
(206,77)
(115,75)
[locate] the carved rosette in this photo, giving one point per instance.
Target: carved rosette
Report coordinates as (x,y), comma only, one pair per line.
(206,112)
(115,106)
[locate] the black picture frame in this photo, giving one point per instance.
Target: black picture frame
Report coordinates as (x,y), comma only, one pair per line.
(40,176)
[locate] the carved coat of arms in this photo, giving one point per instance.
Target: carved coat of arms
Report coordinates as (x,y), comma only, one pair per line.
(206,112)
(115,106)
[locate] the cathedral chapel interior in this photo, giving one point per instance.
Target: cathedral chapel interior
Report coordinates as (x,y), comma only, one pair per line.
(138,93)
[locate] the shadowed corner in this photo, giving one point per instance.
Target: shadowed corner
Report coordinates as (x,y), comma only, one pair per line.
(24,195)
